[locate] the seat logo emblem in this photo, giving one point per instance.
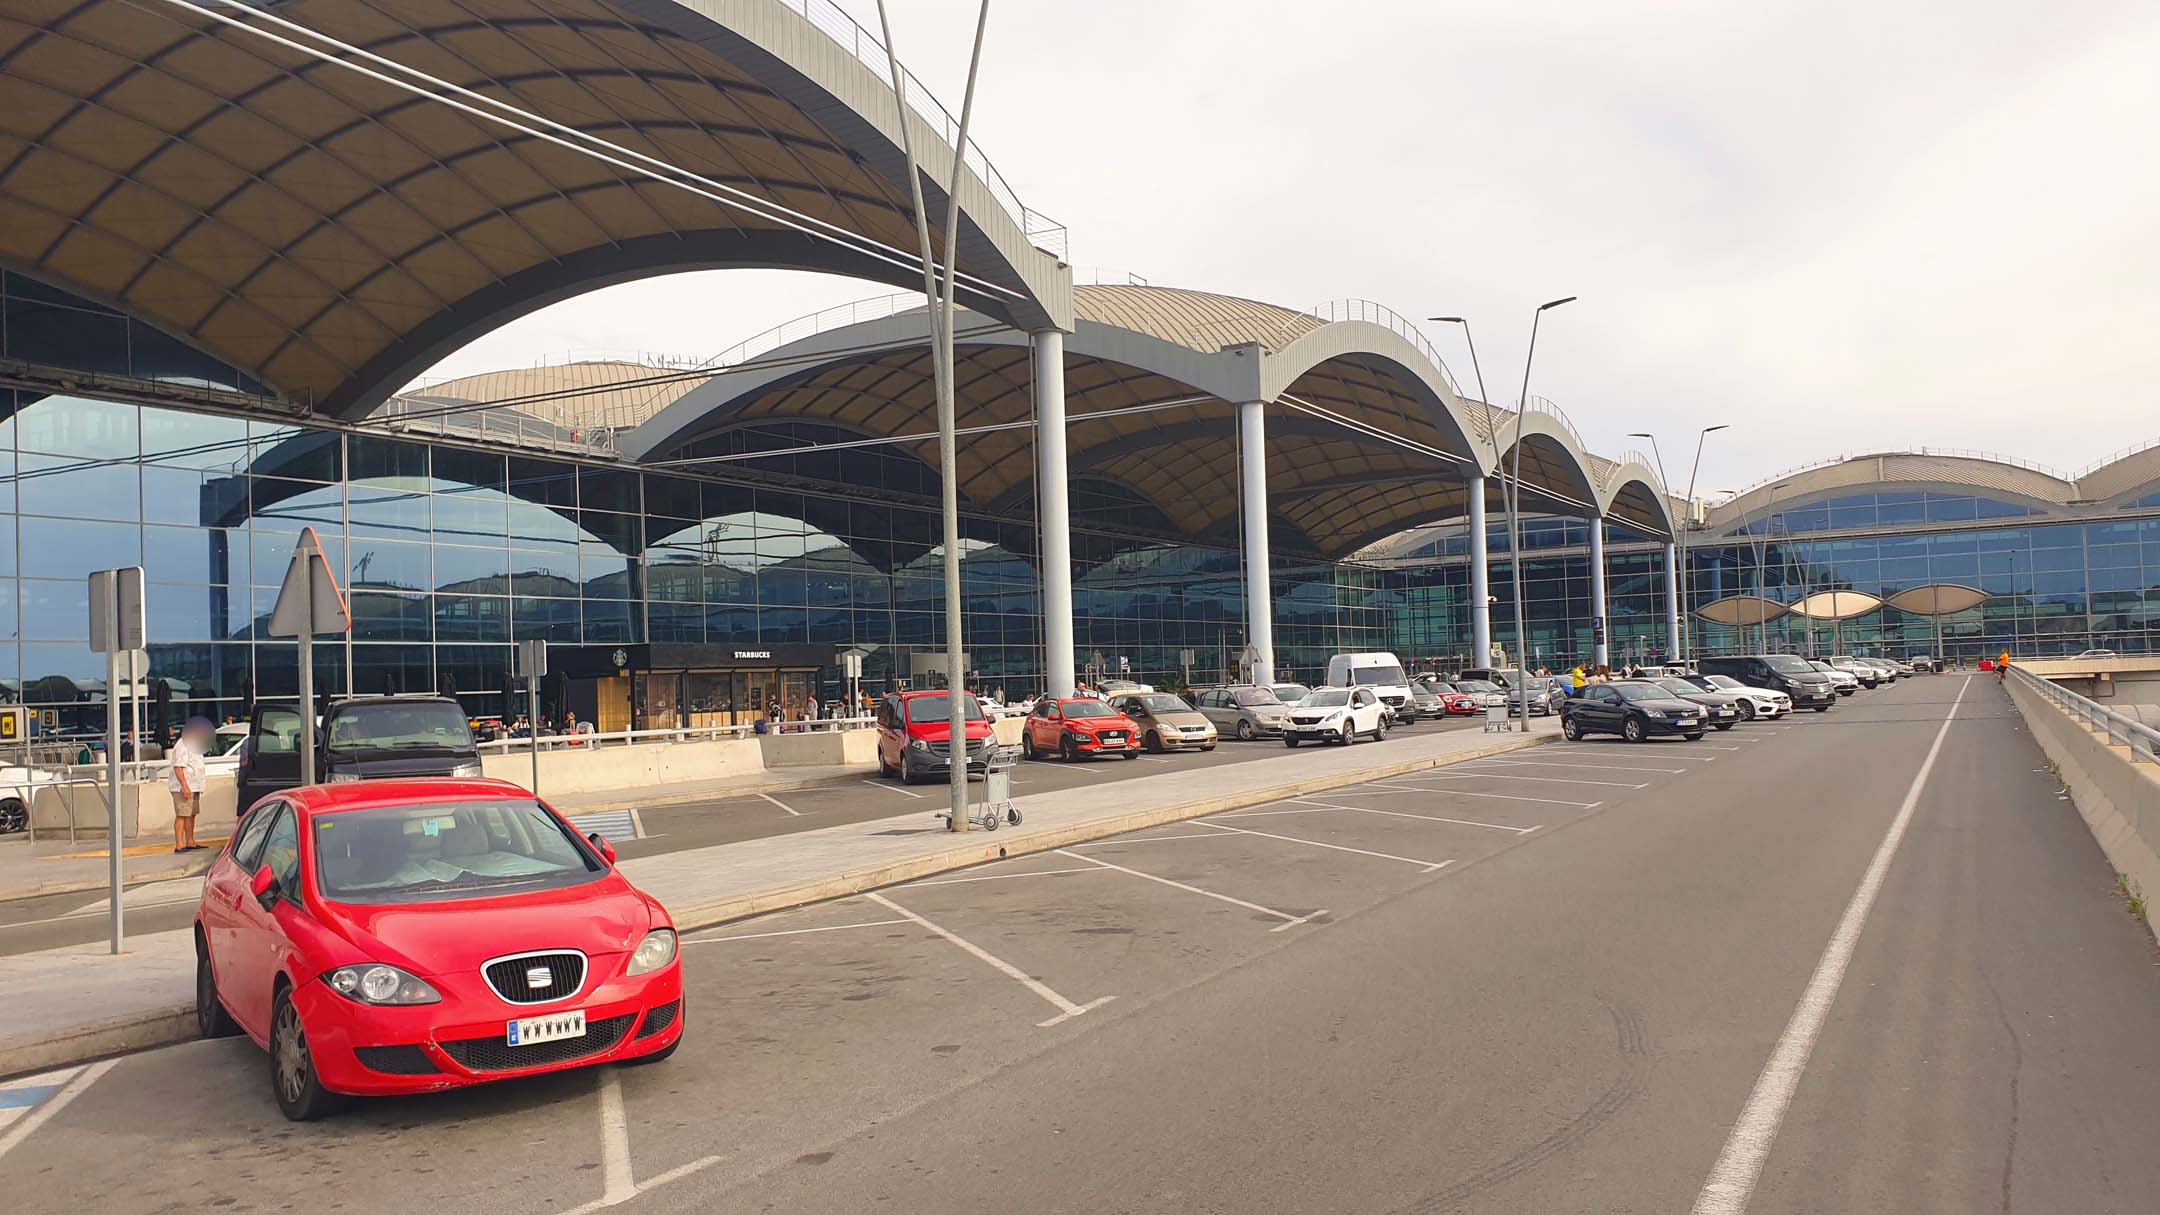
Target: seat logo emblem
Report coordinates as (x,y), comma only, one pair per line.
(538,976)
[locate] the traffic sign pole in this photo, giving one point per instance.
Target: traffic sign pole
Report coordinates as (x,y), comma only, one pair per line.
(116,628)
(308,603)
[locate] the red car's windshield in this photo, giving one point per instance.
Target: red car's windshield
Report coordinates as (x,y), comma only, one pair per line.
(1088,708)
(938,709)
(417,854)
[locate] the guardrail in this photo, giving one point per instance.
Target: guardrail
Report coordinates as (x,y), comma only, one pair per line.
(631,738)
(2142,740)
(1375,313)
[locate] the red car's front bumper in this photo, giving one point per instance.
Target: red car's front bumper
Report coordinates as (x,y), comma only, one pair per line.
(375,1051)
(1089,744)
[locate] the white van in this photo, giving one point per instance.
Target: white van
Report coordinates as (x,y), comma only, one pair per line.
(1380,671)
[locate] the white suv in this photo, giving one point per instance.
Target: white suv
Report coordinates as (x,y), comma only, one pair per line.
(1336,715)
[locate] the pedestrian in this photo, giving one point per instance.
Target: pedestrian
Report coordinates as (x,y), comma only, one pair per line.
(185,777)
(1576,680)
(2002,665)
(570,727)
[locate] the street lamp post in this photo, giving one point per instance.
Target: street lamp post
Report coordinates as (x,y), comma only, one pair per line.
(1513,498)
(1679,536)
(1762,622)
(1686,584)
(1476,511)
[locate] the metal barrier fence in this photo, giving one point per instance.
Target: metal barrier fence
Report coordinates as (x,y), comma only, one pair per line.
(2143,740)
(631,738)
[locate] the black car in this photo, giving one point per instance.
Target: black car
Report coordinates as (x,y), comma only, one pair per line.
(1723,707)
(361,738)
(1787,673)
(1636,710)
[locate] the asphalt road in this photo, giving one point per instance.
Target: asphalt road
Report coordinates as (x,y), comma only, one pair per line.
(1536,983)
(51,921)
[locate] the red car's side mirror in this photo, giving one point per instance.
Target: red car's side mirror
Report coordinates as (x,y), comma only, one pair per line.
(607,850)
(264,886)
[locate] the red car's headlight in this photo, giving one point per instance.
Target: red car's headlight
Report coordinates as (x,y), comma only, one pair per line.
(375,983)
(652,953)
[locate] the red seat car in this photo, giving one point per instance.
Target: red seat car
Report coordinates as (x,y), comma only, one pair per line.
(1079,726)
(402,936)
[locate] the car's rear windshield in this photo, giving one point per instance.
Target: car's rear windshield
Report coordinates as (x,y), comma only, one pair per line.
(939,708)
(1387,674)
(1247,698)
(1327,698)
(425,724)
(1088,708)
(1787,664)
(434,853)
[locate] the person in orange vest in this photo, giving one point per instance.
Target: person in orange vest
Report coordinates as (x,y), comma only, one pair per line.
(2002,664)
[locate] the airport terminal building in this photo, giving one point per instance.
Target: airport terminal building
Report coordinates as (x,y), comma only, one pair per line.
(225,257)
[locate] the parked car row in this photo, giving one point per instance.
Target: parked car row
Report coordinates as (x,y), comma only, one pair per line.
(1720,693)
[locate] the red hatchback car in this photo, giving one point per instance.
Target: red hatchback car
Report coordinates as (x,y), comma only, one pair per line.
(1079,726)
(403,936)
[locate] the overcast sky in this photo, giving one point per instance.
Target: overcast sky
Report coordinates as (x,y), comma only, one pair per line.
(1839,227)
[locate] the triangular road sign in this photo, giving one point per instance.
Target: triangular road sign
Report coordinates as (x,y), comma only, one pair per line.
(309,602)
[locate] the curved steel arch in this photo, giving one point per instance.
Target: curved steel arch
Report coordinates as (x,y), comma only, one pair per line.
(1632,475)
(1364,342)
(1550,436)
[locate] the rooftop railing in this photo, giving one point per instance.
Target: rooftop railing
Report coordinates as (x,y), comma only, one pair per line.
(1374,313)
(1041,231)
(2142,740)
(1954,453)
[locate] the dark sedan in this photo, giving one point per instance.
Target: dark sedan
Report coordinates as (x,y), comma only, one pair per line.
(1636,710)
(1724,708)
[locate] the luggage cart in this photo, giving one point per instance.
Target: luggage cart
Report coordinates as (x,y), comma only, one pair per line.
(996,807)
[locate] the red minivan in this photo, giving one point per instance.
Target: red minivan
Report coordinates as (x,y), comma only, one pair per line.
(915,735)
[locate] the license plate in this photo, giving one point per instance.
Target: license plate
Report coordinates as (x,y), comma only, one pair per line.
(1113,737)
(531,1031)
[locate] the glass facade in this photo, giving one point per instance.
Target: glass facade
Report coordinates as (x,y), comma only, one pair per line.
(450,552)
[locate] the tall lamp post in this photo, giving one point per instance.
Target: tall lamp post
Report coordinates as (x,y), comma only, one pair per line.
(1686,584)
(1679,536)
(1762,622)
(1477,510)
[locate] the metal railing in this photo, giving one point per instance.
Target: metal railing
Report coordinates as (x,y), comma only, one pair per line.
(810,324)
(2119,454)
(684,734)
(497,424)
(1041,231)
(1375,313)
(1955,453)
(2142,740)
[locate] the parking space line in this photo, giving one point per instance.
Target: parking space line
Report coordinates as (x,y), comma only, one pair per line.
(1288,920)
(1558,780)
(783,805)
(1430,818)
(1546,763)
(1261,813)
(792,932)
(878,784)
(52,1105)
(1503,797)
(1153,839)
(1427,866)
(995,877)
(1067,1010)
(616,1184)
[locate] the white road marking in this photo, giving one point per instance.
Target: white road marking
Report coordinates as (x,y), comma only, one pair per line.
(1511,797)
(878,784)
(52,1105)
(1081,767)
(637,823)
(783,805)
(1703,746)
(998,877)
(616,1183)
(1067,1010)
(1150,839)
(1739,1166)
(1430,818)
(1546,763)
(1288,920)
(1558,780)
(1261,813)
(1427,866)
(792,932)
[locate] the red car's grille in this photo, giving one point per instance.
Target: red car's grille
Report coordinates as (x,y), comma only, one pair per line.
(537,978)
(495,1054)
(657,1020)
(396,1060)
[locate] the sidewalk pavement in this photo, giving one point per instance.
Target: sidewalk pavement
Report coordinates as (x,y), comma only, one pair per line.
(56,865)
(77,1003)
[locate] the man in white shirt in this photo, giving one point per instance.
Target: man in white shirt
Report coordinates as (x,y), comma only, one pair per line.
(186,775)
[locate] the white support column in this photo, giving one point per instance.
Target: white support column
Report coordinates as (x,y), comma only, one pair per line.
(1052,511)
(1480,578)
(1672,602)
(1603,649)
(1252,493)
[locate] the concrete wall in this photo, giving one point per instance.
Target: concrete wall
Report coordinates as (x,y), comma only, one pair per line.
(2119,797)
(146,808)
(595,769)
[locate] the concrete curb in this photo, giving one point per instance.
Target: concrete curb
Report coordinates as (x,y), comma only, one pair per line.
(97,885)
(118,1036)
(164,1027)
(730,793)
(985,847)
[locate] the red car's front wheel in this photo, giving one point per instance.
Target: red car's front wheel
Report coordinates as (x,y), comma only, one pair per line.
(300,1094)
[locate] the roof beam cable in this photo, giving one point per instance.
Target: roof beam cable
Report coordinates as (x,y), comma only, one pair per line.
(1373,432)
(683,179)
